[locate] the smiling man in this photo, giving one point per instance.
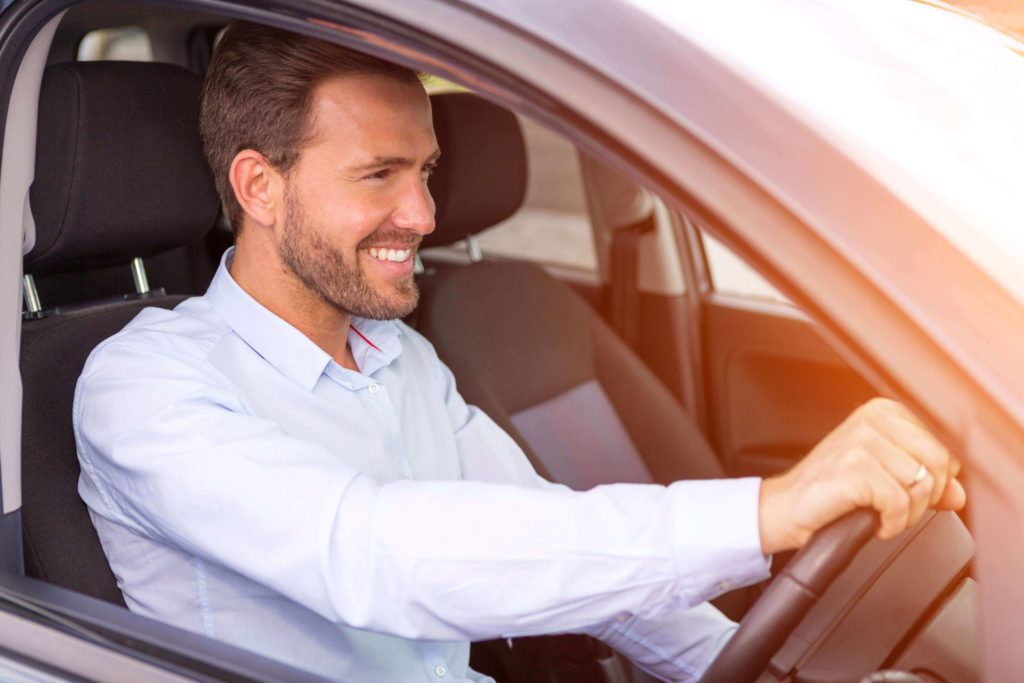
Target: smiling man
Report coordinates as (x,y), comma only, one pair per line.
(282,464)
(333,234)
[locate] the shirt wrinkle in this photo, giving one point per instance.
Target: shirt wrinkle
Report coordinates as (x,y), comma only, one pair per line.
(643,642)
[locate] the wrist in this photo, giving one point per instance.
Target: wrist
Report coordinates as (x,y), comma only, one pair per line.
(778,530)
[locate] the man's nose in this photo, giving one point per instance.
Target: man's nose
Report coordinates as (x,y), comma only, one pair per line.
(416,209)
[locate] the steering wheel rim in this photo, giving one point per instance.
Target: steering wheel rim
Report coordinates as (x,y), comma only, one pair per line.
(789,597)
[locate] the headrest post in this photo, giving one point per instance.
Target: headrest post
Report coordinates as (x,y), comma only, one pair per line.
(417,265)
(473,249)
(31,294)
(139,275)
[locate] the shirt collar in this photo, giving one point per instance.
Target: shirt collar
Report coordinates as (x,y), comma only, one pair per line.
(374,343)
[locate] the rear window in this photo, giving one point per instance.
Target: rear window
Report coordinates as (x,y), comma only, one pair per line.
(553,225)
(123,43)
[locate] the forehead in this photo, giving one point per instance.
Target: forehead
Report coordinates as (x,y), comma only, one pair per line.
(370,108)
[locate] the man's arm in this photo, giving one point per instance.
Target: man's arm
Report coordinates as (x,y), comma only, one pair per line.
(676,641)
(173,455)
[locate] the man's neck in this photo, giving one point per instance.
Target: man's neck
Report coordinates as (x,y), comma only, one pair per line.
(260,273)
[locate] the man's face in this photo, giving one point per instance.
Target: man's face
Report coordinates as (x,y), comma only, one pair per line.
(356,202)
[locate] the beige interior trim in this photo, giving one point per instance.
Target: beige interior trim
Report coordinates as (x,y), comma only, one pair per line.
(17,235)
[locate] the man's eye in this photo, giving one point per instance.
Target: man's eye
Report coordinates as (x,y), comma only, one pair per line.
(380,175)
(429,169)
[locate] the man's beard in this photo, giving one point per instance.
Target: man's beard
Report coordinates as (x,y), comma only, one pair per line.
(326,271)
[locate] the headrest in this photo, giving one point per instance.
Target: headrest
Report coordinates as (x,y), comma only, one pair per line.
(120,170)
(481,177)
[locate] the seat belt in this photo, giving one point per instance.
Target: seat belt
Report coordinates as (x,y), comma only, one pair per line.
(623,297)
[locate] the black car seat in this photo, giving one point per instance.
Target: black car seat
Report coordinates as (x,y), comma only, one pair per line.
(120,175)
(525,347)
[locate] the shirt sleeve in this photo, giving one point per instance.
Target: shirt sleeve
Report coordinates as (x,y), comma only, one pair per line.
(176,457)
(669,639)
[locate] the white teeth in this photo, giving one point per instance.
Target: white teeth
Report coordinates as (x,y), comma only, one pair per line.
(395,255)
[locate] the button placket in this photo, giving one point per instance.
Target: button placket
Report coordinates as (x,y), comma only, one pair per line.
(387,410)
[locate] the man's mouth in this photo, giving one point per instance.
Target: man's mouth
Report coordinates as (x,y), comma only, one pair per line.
(393,255)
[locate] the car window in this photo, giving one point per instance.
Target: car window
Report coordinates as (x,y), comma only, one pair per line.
(552,227)
(123,43)
(731,275)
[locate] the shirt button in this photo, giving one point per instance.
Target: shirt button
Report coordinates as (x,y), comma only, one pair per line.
(724,585)
(374,388)
(440,671)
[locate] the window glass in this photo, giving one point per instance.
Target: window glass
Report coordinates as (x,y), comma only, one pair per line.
(124,43)
(732,275)
(553,225)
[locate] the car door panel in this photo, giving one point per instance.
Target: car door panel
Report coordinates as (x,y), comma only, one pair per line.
(774,386)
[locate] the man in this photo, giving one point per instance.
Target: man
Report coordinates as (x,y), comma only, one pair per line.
(281,465)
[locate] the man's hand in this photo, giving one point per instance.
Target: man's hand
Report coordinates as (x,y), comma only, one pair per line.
(873,459)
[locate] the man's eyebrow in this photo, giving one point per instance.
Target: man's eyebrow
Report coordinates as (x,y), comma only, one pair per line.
(401,162)
(378,161)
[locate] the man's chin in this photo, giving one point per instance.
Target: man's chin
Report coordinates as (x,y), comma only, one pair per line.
(394,307)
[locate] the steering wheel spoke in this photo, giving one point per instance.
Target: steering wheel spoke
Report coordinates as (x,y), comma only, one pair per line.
(790,596)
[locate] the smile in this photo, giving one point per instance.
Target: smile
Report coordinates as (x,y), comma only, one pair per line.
(395,255)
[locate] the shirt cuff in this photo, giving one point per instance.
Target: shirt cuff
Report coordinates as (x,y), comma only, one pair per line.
(668,641)
(717,536)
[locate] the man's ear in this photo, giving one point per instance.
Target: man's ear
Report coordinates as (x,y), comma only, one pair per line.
(257,186)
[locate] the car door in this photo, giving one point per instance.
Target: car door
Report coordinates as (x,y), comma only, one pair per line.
(774,386)
(751,368)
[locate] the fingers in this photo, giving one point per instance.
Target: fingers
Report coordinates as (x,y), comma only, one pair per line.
(901,427)
(899,494)
(899,506)
(895,505)
(873,459)
(954,497)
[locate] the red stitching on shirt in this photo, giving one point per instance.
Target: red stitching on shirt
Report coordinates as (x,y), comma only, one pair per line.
(363,338)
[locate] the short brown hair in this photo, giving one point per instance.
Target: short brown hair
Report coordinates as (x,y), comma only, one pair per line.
(258,94)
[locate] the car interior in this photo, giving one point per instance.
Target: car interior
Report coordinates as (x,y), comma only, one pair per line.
(638,366)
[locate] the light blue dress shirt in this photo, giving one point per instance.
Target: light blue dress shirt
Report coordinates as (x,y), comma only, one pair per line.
(368,525)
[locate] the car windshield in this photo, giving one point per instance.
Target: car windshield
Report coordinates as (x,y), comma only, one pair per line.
(929,101)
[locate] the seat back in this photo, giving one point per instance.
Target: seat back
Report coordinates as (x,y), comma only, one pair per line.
(119,174)
(60,543)
(524,346)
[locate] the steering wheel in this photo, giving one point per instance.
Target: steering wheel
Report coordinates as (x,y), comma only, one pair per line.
(790,596)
